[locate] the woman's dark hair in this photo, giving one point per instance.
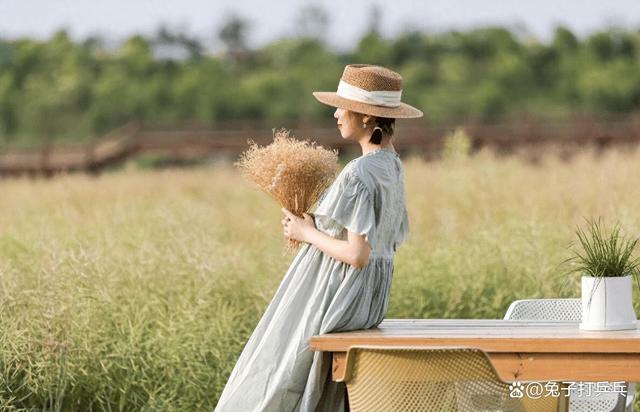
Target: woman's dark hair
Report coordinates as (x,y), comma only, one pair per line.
(384,126)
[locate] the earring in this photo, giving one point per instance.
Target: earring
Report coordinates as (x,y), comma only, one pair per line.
(364,125)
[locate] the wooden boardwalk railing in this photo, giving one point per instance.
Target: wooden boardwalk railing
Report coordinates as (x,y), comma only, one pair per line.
(133,139)
(115,147)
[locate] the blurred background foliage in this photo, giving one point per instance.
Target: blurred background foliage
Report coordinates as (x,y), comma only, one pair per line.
(74,90)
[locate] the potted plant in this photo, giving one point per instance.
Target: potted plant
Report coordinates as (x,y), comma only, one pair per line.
(607,267)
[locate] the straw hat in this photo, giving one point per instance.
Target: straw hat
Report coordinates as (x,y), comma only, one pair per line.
(369,89)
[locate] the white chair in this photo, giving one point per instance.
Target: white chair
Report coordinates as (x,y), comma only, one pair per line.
(571,310)
(414,379)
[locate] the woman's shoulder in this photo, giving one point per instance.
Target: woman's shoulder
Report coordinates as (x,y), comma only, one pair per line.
(370,169)
(359,172)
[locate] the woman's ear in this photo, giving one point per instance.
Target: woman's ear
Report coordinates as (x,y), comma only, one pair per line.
(367,118)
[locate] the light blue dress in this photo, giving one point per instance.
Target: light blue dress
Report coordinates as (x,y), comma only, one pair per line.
(276,371)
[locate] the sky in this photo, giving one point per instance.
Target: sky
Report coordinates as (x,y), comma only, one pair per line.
(270,20)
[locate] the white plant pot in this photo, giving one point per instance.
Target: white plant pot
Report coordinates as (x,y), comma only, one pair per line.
(607,303)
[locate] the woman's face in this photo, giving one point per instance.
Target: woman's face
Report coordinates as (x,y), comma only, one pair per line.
(349,124)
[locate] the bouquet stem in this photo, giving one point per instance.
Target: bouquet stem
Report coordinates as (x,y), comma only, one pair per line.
(292,244)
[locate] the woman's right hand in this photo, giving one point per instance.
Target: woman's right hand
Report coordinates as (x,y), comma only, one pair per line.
(295,227)
(286,219)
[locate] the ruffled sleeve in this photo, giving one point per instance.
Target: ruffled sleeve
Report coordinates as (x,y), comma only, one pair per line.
(349,204)
(403,231)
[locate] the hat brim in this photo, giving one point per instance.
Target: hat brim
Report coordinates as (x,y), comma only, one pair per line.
(404,111)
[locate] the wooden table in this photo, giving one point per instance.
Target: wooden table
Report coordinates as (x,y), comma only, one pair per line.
(519,350)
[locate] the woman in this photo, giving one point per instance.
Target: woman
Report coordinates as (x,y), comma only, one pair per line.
(341,277)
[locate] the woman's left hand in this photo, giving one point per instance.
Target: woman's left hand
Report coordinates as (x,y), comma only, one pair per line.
(296,227)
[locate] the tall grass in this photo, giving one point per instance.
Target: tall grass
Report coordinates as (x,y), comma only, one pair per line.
(136,291)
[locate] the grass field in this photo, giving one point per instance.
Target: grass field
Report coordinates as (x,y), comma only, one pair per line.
(137,290)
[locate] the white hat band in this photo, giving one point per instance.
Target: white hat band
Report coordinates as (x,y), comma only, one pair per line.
(387,98)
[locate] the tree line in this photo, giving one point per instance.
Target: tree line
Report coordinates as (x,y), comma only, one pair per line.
(61,88)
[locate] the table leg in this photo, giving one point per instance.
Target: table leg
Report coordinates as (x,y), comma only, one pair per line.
(338,365)
(563,400)
(346,399)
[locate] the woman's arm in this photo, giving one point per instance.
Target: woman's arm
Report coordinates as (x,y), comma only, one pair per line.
(353,251)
